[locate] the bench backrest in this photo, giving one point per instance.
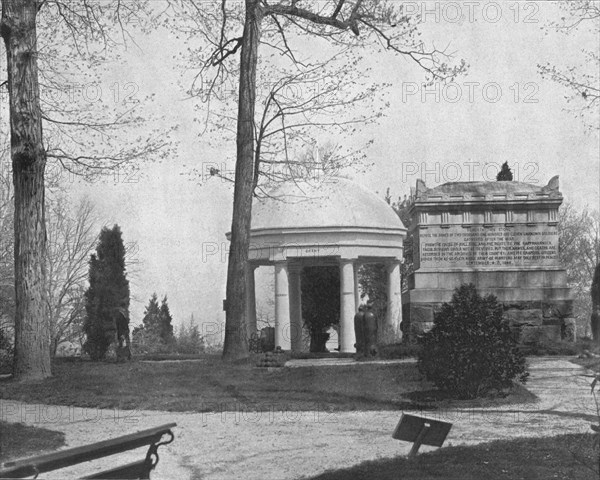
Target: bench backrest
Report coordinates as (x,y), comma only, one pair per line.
(66,458)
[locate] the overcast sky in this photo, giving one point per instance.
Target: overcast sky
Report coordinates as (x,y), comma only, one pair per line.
(502,110)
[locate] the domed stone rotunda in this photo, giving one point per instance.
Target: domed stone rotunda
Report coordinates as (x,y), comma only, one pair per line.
(332,221)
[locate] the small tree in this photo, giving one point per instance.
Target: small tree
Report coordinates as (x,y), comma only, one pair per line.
(471,350)
(505,174)
(189,339)
(157,325)
(166,327)
(107,298)
(151,318)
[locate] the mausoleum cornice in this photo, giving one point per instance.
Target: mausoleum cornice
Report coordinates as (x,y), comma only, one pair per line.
(487,192)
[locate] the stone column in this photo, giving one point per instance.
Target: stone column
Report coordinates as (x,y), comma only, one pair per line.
(347,306)
(391,333)
(296,308)
(251,300)
(282,306)
(356,287)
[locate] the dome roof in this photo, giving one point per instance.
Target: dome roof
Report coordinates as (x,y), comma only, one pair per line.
(329,202)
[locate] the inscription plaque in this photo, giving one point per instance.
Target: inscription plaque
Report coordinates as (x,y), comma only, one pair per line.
(488,247)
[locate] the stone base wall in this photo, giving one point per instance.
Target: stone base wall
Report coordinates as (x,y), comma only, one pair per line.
(533,321)
(537,303)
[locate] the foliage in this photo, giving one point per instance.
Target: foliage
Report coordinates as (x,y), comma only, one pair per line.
(148,342)
(71,239)
(270,123)
(505,174)
(66,41)
(272,359)
(320,302)
(166,321)
(579,253)
(372,278)
(88,131)
(189,339)
(471,350)
(581,78)
(107,298)
(157,321)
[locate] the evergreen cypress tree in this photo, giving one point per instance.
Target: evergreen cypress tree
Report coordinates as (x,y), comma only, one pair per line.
(505,174)
(151,318)
(166,327)
(107,298)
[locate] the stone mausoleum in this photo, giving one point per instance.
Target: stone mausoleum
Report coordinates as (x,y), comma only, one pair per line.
(501,236)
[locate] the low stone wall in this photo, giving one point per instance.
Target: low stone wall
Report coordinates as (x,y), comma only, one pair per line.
(532,321)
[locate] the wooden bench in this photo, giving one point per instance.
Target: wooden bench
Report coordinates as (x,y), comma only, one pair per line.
(65,458)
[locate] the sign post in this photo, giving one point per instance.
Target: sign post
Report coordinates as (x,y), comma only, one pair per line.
(421,431)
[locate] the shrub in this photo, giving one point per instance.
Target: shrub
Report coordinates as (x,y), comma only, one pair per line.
(273,359)
(471,350)
(145,342)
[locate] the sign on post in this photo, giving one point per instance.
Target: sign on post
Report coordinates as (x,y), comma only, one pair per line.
(421,431)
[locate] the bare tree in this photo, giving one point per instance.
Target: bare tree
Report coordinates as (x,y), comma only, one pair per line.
(37,35)
(334,24)
(579,251)
(583,80)
(72,236)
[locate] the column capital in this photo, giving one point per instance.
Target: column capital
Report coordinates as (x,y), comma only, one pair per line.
(394,263)
(346,261)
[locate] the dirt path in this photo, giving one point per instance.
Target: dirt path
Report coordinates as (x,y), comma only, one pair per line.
(289,444)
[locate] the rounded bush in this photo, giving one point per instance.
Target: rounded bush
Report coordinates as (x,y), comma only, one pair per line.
(471,350)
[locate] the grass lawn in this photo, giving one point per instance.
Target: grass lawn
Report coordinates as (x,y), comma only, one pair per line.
(211,385)
(18,440)
(590,363)
(567,457)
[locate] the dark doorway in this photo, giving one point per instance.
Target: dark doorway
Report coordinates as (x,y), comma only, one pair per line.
(320,303)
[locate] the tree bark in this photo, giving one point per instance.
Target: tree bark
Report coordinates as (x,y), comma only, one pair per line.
(236,341)
(32,335)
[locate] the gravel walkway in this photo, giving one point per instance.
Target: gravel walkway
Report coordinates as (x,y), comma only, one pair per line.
(281,445)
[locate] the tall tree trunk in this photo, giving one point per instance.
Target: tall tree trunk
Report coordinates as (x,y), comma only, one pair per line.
(236,341)
(32,336)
